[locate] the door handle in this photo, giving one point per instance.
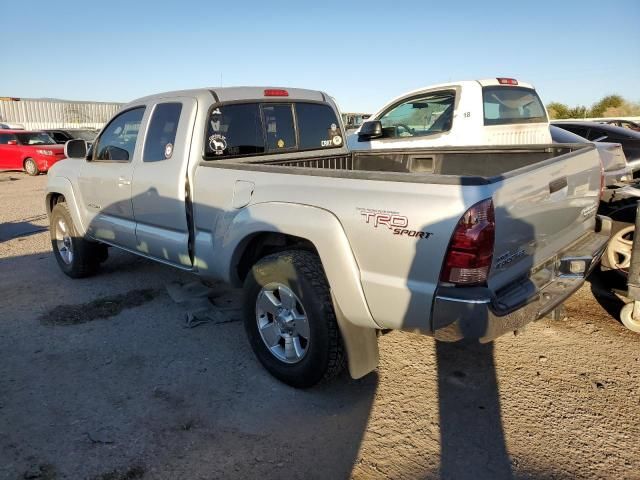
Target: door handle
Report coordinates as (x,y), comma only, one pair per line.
(123,182)
(557,184)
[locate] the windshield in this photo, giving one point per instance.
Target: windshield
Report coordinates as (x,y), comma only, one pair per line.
(34,138)
(509,105)
(88,135)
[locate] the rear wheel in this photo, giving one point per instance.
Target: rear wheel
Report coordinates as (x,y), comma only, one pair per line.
(76,256)
(31,167)
(290,321)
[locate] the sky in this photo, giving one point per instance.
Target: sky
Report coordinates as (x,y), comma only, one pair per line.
(362,53)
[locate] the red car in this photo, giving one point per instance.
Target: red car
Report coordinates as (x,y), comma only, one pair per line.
(33,152)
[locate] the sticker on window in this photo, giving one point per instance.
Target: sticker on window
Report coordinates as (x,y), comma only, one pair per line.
(217,143)
(168,150)
(280,143)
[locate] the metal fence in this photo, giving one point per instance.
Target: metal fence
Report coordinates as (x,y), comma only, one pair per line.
(39,114)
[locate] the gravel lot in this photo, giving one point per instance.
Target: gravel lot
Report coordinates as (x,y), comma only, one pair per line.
(138,395)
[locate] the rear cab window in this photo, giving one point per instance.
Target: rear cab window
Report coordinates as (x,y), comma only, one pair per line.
(257,128)
(506,105)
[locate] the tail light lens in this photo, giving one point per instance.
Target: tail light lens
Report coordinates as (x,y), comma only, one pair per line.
(471,247)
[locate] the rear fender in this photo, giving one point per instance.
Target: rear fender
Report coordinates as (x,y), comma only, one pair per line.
(323,229)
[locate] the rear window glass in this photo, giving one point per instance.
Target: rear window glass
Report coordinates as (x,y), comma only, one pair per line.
(161,135)
(317,126)
(260,128)
(280,132)
(508,105)
(234,130)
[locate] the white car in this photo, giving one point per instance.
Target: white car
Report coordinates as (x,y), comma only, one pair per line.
(497,111)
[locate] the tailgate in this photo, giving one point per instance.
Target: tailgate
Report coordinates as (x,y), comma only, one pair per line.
(541,210)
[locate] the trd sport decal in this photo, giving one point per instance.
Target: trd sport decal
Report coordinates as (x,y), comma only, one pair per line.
(393,221)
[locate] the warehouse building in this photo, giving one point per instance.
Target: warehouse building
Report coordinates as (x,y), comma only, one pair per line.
(35,114)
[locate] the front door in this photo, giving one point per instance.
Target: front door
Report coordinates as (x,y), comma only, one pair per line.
(159,187)
(105,180)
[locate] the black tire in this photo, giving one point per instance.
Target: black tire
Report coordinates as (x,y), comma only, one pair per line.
(86,255)
(302,273)
(31,167)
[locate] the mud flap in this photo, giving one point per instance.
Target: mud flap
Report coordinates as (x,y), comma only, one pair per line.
(361,344)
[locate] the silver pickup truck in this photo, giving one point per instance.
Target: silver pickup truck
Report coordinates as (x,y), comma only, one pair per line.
(254,186)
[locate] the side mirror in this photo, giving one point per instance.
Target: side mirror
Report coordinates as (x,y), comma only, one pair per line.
(12,142)
(75,149)
(371,129)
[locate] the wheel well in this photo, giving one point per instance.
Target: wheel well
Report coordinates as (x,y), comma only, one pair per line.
(53,199)
(265,243)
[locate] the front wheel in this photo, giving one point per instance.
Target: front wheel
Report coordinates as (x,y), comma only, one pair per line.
(76,256)
(31,167)
(290,321)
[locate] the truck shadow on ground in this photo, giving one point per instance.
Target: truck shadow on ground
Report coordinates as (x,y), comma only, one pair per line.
(189,419)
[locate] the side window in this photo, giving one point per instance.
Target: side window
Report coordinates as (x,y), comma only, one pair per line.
(234,130)
(581,131)
(317,126)
(161,134)
(5,137)
(278,122)
(118,140)
(426,115)
(59,137)
(597,135)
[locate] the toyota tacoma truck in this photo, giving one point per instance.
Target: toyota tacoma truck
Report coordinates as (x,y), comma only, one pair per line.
(495,111)
(255,187)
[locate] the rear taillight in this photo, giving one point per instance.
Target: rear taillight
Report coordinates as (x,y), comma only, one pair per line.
(471,247)
(507,81)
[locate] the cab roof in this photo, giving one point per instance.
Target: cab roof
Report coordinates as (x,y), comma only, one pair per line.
(232,94)
(487,82)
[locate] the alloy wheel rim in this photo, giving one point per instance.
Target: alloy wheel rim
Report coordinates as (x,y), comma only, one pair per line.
(619,249)
(282,323)
(63,241)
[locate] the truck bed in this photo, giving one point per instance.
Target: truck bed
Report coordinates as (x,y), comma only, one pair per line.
(479,165)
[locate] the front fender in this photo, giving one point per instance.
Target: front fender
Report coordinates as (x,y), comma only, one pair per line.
(63,186)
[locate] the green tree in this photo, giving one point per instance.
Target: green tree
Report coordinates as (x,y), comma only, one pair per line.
(579,111)
(599,108)
(558,111)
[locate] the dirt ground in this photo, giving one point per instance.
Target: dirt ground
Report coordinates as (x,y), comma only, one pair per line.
(101,379)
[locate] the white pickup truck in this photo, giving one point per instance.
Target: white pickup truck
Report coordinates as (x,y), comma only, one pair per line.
(254,186)
(496,111)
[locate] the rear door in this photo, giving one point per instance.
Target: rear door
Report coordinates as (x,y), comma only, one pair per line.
(105,180)
(159,182)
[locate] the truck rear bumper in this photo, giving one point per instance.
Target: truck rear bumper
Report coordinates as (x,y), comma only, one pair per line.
(478,313)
